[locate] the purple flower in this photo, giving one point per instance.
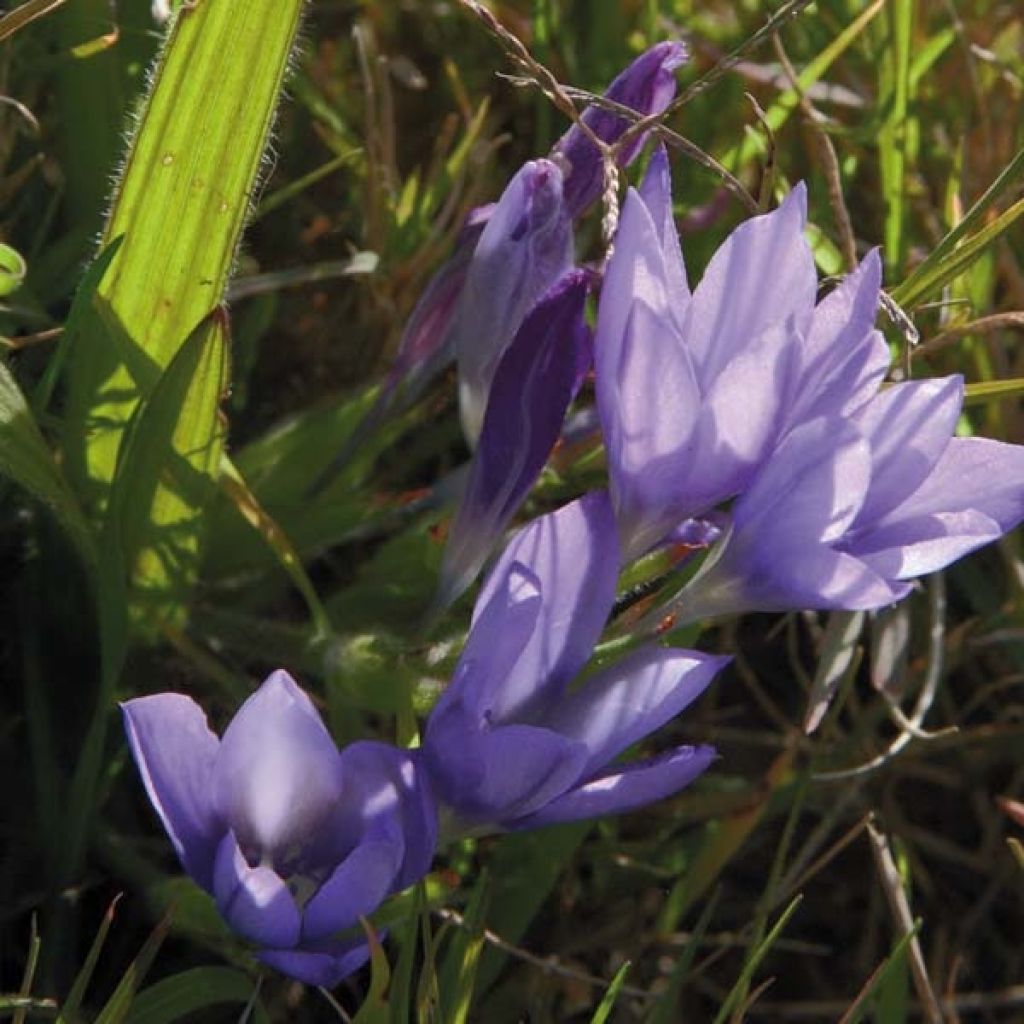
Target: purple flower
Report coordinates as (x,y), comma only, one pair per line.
(696,390)
(851,508)
(536,379)
(647,86)
(427,344)
(294,840)
(525,247)
(509,744)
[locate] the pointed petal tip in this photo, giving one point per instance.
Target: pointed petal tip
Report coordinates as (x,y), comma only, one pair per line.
(797,199)
(676,55)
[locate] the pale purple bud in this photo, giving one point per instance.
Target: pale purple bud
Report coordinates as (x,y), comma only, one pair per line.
(525,247)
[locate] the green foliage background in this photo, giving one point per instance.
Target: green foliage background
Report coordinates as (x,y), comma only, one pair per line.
(172,390)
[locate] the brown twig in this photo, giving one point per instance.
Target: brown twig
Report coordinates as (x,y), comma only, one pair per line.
(983,325)
(674,139)
(899,907)
(779,18)
(936,645)
(830,162)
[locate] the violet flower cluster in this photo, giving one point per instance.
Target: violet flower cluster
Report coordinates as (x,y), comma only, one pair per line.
(743,415)
(296,841)
(749,392)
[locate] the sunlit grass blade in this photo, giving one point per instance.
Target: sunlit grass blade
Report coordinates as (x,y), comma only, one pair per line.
(457,976)
(166,475)
(151,537)
(934,273)
(178,997)
(607,1004)
(181,203)
(894,138)
(974,216)
(375,1006)
(779,112)
(992,390)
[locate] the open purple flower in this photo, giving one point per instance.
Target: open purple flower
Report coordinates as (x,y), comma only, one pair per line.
(294,840)
(525,247)
(647,86)
(510,744)
(537,378)
(850,509)
(695,390)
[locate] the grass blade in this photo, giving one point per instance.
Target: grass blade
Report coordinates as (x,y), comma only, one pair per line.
(17,19)
(26,459)
(754,961)
(778,113)
(607,1004)
(167,473)
(934,273)
(117,1007)
(894,137)
(180,996)
(183,197)
(69,1012)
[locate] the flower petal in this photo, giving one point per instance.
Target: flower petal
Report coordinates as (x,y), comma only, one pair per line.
(504,623)
(907,548)
(908,427)
(394,794)
(533,385)
(632,698)
(625,789)
(636,273)
(845,358)
(656,192)
(175,750)
(526,245)
(742,416)
(651,433)
(972,473)
(277,775)
(646,86)
(846,316)
(428,340)
(729,306)
(488,775)
(574,557)
(810,490)
(356,889)
(647,393)
(315,968)
(815,576)
(255,902)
